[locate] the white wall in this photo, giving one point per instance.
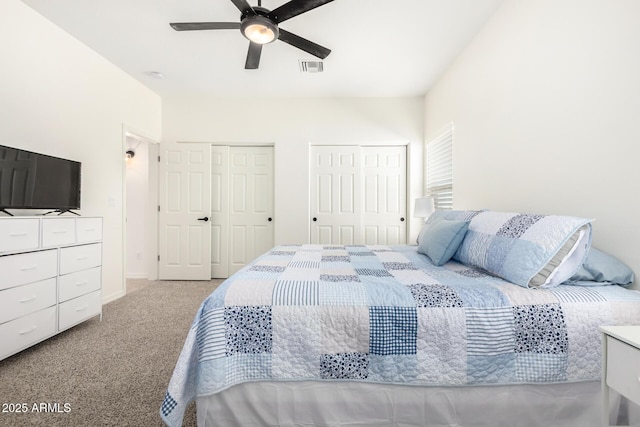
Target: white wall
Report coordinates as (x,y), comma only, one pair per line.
(59,97)
(546,106)
(293,124)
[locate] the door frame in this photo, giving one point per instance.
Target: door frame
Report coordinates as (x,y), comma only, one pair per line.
(151,213)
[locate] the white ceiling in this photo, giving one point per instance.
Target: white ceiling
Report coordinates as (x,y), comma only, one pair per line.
(380,48)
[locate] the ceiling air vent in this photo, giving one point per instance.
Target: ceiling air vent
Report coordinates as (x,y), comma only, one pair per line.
(311,66)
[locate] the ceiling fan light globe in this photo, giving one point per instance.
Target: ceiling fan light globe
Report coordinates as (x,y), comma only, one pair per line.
(259,34)
(259,29)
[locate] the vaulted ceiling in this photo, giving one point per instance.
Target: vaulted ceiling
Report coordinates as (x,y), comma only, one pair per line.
(379,48)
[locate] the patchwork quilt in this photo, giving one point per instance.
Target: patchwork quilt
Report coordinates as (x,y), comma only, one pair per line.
(387,315)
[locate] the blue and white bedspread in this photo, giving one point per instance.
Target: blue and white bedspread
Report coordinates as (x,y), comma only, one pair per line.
(388,315)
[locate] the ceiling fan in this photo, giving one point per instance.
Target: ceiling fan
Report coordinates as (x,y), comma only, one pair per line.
(260,26)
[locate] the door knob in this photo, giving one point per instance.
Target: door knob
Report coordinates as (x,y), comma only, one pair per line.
(315,219)
(270,219)
(401,219)
(204,218)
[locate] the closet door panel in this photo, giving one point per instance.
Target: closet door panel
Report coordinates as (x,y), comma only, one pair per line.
(358,195)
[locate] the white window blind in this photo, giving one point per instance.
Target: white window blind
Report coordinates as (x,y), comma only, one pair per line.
(439,169)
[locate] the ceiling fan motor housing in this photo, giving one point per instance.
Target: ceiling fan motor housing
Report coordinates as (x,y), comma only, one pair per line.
(259,10)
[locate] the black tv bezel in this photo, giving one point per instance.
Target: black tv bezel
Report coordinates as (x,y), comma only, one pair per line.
(56,208)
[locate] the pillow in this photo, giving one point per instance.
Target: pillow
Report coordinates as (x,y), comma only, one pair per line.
(457,215)
(601,268)
(536,251)
(441,240)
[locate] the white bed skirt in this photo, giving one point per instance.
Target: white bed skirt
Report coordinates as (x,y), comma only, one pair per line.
(359,404)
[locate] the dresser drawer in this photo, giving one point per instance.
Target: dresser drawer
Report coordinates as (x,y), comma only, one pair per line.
(79,309)
(27,268)
(78,258)
(89,229)
(26,331)
(58,231)
(19,234)
(79,283)
(623,368)
(22,300)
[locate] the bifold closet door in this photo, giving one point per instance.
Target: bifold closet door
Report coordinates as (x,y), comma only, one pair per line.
(242,221)
(219,211)
(384,192)
(335,195)
(358,195)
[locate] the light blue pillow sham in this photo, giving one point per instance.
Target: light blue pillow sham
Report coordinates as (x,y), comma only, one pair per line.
(534,251)
(441,240)
(600,269)
(440,214)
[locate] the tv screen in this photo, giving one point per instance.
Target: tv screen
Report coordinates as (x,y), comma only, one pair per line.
(36,181)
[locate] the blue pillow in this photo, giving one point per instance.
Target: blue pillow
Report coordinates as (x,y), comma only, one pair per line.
(602,268)
(441,240)
(452,215)
(533,251)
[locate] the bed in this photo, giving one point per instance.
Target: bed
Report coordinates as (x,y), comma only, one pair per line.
(491,319)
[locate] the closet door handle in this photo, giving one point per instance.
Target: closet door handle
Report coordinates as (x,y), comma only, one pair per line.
(204,218)
(270,219)
(315,219)
(402,219)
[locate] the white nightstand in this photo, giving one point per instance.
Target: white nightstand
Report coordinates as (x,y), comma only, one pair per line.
(620,364)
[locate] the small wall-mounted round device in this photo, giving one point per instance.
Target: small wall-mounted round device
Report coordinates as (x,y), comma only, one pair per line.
(130,154)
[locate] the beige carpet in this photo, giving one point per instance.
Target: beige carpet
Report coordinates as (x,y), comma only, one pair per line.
(112,372)
(137,284)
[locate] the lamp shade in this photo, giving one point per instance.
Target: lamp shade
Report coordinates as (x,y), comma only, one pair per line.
(424,207)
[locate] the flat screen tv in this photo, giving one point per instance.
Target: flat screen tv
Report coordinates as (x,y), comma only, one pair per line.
(31,180)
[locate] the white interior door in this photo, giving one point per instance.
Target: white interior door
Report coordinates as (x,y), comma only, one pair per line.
(185,205)
(384,172)
(335,195)
(242,221)
(219,211)
(358,195)
(251,204)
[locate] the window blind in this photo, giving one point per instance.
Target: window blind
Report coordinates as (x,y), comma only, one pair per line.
(439,169)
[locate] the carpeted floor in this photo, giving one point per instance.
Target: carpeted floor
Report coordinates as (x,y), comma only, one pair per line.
(112,372)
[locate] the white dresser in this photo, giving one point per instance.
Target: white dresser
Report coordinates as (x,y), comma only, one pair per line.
(50,277)
(620,365)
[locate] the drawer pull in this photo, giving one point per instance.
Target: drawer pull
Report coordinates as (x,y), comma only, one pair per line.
(82,258)
(27,331)
(82,283)
(82,308)
(89,229)
(31,267)
(28,299)
(17,234)
(59,231)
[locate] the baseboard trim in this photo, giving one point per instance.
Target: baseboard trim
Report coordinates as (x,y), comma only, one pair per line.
(106,299)
(137,276)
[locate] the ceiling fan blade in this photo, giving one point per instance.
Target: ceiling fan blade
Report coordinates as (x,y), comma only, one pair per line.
(244,7)
(253,56)
(304,44)
(294,8)
(195,26)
